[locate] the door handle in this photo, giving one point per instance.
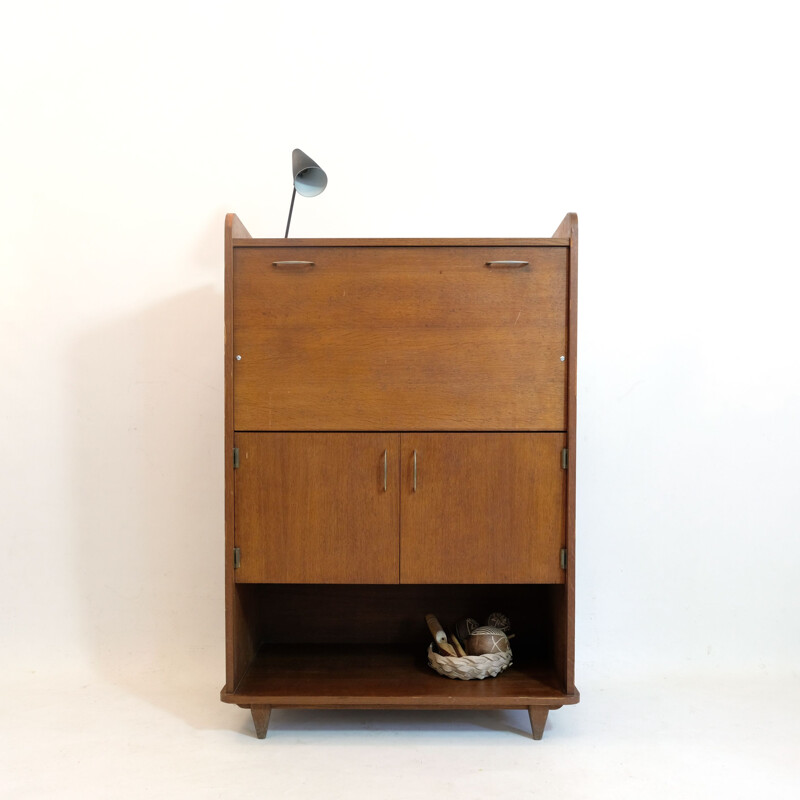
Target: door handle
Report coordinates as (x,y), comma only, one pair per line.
(507,264)
(297,266)
(384,470)
(414,483)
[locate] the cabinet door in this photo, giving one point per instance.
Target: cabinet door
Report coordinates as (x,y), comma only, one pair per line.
(482,507)
(317,507)
(400,338)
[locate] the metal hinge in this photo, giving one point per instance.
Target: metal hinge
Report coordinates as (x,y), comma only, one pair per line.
(237,558)
(236,458)
(563,558)
(565,458)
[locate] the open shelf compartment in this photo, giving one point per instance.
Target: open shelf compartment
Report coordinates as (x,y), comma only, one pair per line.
(383,676)
(337,646)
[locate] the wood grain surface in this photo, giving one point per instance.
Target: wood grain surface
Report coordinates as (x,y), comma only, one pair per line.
(408,346)
(311,507)
(239,645)
(384,676)
(382,338)
(488,508)
(249,241)
(395,613)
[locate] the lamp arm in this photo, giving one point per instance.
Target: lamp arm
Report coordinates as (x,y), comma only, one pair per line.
(291,207)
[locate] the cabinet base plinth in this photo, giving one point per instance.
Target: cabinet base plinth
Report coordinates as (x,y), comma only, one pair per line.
(386,677)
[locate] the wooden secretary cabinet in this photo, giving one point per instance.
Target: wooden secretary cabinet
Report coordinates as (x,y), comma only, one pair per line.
(400,436)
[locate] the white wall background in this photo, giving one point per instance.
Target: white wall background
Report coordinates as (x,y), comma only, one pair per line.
(129,131)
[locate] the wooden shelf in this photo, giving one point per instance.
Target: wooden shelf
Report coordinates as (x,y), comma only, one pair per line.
(384,676)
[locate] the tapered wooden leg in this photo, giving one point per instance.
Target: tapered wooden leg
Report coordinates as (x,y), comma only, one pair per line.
(260,719)
(538,715)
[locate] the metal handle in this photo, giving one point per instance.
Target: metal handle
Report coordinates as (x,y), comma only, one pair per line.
(384,470)
(297,266)
(507,264)
(415,472)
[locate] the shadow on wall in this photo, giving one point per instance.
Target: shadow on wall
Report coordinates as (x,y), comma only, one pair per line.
(147,478)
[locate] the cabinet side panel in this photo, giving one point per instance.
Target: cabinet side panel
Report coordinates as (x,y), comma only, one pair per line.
(239,647)
(572,438)
(564,609)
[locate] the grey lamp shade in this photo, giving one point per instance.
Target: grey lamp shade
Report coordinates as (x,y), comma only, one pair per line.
(309,178)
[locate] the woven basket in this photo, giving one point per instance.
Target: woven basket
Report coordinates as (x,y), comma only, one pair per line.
(468,668)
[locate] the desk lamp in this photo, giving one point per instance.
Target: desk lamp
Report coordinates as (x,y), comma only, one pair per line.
(309,179)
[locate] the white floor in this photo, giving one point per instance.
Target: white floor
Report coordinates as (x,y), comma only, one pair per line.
(658,738)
